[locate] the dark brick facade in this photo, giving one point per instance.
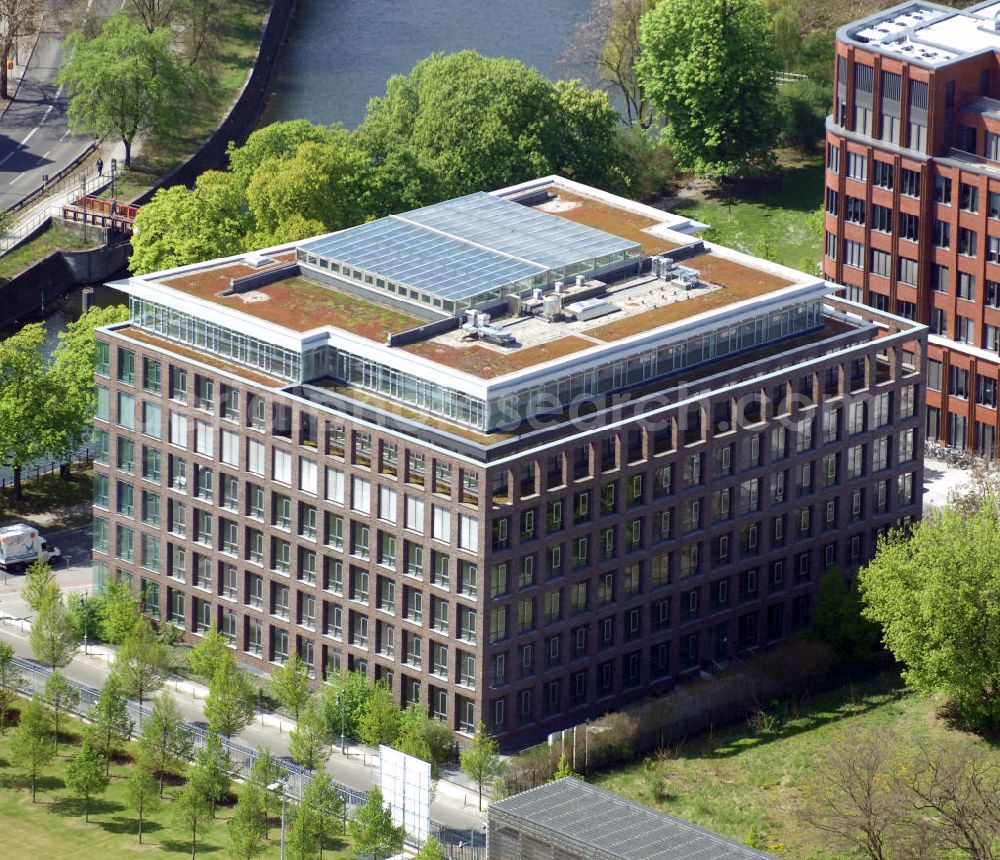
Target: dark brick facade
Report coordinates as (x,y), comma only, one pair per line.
(531,583)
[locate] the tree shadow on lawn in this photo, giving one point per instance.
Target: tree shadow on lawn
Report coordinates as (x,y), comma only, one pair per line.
(73,807)
(22,782)
(124,824)
(183,846)
(798,189)
(787,719)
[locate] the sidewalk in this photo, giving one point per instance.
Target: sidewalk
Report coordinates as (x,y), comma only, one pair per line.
(455,802)
(82,180)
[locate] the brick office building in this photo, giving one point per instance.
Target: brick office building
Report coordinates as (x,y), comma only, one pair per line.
(913,195)
(631,472)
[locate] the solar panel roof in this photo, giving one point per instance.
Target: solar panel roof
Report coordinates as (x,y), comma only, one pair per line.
(584,816)
(465,247)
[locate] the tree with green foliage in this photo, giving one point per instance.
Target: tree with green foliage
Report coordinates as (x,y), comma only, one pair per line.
(267,770)
(431,139)
(247,827)
(142,792)
(481,761)
(313,191)
(85,775)
(708,67)
(166,742)
(119,612)
(40,585)
(290,685)
(289,180)
(84,617)
(935,591)
(213,770)
(431,850)
(317,818)
(380,719)
(110,725)
(53,640)
(211,650)
(564,769)
(231,701)
(309,744)
(125,81)
(342,701)
(278,141)
(192,812)
(60,696)
(330,808)
(143,662)
(30,745)
(11,680)
(372,830)
(71,373)
(837,620)
(25,393)
(181,225)
(425,737)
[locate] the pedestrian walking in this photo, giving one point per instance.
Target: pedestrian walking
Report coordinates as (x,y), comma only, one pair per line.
(100,167)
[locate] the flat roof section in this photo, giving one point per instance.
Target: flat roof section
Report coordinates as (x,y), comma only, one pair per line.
(611,219)
(602,824)
(296,303)
(463,248)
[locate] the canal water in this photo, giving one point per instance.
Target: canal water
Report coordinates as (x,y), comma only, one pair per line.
(341,52)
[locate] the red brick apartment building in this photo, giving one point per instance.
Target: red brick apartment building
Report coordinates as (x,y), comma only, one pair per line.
(523,456)
(913,196)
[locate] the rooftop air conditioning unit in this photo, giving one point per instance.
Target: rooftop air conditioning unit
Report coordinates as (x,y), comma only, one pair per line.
(559,286)
(580,281)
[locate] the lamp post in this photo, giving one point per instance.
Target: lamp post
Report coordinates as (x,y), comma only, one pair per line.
(274,786)
(343,723)
(83,198)
(114,176)
(86,626)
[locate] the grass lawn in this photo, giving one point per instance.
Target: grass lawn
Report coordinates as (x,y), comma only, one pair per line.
(739,777)
(777,218)
(53,238)
(55,827)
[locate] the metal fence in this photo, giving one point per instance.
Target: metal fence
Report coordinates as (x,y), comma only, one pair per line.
(38,468)
(461,844)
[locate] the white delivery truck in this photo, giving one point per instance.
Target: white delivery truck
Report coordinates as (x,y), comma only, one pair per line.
(22,545)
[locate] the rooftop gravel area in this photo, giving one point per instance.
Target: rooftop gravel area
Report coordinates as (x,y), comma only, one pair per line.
(296,303)
(489,363)
(611,219)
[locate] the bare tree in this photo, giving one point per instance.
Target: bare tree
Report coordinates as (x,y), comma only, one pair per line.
(154,13)
(18,19)
(607,42)
(956,787)
(984,484)
(856,798)
(201,30)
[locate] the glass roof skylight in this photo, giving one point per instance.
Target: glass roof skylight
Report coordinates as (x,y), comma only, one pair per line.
(467,247)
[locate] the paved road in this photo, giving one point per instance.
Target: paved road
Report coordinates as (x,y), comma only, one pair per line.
(34,137)
(359,770)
